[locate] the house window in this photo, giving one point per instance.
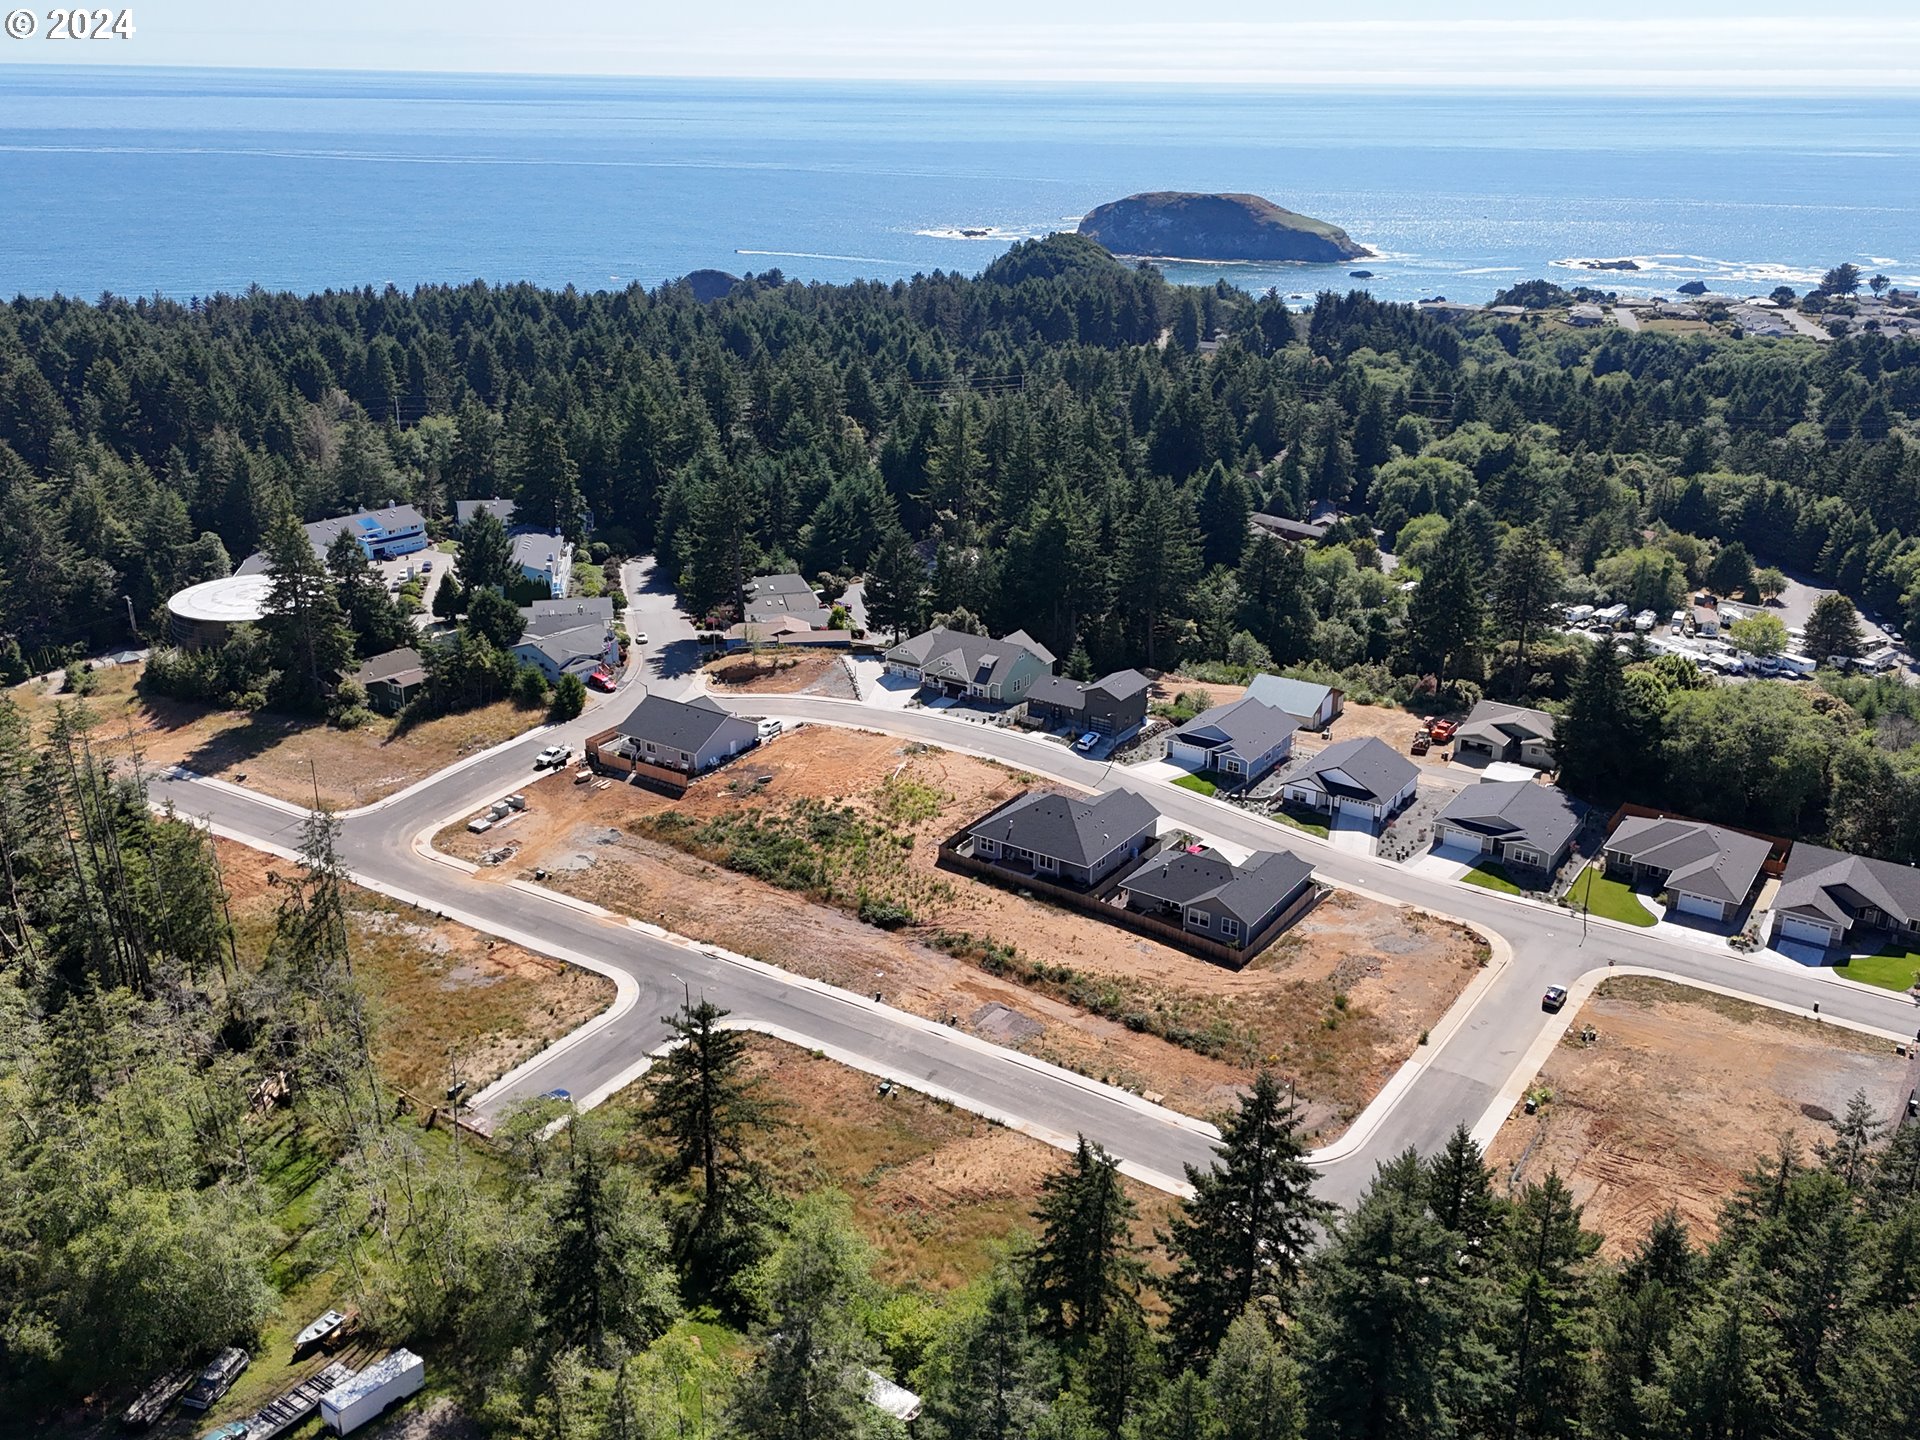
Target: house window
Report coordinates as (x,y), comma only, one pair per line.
(1199,920)
(1046,862)
(1229,928)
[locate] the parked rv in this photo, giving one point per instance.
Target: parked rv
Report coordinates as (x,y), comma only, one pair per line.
(373,1391)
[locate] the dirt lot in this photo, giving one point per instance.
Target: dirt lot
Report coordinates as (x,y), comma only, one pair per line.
(1338,1003)
(814,672)
(936,1190)
(1395,726)
(282,755)
(1166,688)
(436,984)
(1678,1097)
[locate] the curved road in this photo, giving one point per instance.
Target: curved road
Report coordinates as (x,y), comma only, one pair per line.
(1466,1074)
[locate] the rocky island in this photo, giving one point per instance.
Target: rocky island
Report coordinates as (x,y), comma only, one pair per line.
(1181,225)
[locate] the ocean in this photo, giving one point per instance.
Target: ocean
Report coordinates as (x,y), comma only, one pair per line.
(186,182)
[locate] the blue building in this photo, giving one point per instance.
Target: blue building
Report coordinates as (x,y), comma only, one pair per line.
(383,534)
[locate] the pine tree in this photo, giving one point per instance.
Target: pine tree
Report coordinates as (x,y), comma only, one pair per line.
(1595,739)
(1255,1383)
(1637,1317)
(1447,612)
(1459,1192)
(1725,1375)
(1084,1268)
(1183,1411)
(1850,1156)
(486,553)
(1528,581)
(1833,628)
(549,492)
(896,585)
(1158,563)
(706,1108)
(376,622)
(811,1379)
(1246,1229)
(1121,1373)
(1540,1326)
(302,619)
(1223,513)
(993,1375)
(1385,1320)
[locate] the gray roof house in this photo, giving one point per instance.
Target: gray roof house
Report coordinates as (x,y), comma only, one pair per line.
(1114,704)
(575,650)
(1208,896)
(393,679)
(1703,869)
(544,617)
(1828,897)
(1066,838)
(1494,731)
(1364,778)
(687,735)
(772,597)
(1241,740)
(383,534)
(465,510)
(1524,824)
(543,560)
(979,666)
(1316,705)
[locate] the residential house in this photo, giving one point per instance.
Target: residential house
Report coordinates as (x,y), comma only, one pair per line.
(465,510)
(1520,822)
(577,650)
(1207,895)
(788,631)
(1586,315)
(691,736)
(1828,898)
(1316,705)
(1241,740)
(1115,704)
(1363,778)
(383,534)
(545,617)
(392,680)
(1493,731)
(771,599)
(1065,838)
(543,560)
(975,666)
(1701,869)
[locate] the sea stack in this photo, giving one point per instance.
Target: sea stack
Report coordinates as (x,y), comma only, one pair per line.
(1182,225)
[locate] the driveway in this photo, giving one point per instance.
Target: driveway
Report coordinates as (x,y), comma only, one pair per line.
(1445,862)
(879,687)
(669,660)
(1351,834)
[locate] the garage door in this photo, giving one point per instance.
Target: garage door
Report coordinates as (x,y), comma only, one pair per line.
(1696,905)
(1465,839)
(1813,932)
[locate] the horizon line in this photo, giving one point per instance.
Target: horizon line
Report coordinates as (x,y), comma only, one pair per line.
(1762,84)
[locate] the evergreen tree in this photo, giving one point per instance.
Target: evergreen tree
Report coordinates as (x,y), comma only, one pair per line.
(604,1274)
(1638,1313)
(1447,613)
(1540,1327)
(1459,1193)
(1528,581)
(992,1375)
(1223,513)
(486,553)
(1255,1382)
(1084,1268)
(1724,1377)
(1121,1372)
(498,619)
(569,699)
(811,1379)
(1158,564)
(549,489)
(1183,1411)
(1731,572)
(302,619)
(1245,1231)
(1833,628)
(896,585)
(705,1107)
(1595,740)
(1385,1320)
(376,622)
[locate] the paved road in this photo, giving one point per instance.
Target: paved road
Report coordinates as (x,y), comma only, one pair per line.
(1463,1076)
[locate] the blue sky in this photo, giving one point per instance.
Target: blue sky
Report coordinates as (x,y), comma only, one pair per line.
(1678,44)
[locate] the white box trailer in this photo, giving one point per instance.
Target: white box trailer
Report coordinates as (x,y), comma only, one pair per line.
(381,1385)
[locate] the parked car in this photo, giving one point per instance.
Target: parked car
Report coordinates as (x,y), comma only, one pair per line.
(558,1095)
(1555,997)
(232,1430)
(767,729)
(553,757)
(602,679)
(215,1380)
(1086,742)
(639,639)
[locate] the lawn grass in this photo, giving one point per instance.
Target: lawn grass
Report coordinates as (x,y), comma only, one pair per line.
(1491,875)
(1197,785)
(1608,898)
(1300,822)
(1892,969)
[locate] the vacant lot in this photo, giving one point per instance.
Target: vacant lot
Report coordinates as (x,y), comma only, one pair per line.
(1677,1097)
(939,1192)
(832,823)
(437,986)
(283,755)
(781,673)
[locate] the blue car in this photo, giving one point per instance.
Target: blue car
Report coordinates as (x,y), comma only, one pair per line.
(558,1095)
(232,1430)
